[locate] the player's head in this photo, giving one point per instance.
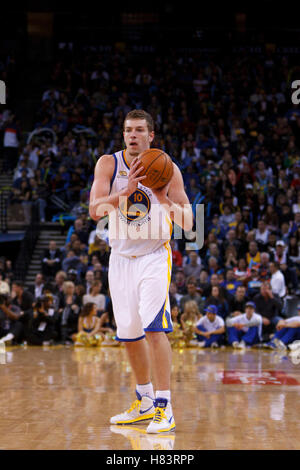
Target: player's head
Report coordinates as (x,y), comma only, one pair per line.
(138,131)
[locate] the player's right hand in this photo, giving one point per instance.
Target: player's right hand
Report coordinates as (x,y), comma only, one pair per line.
(133,177)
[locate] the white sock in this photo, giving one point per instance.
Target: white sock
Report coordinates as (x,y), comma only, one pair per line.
(163,394)
(8,337)
(146,390)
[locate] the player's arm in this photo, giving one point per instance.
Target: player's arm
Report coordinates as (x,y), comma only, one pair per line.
(174,198)
(101,202)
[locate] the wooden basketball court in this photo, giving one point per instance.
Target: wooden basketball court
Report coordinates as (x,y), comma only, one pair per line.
(62,398)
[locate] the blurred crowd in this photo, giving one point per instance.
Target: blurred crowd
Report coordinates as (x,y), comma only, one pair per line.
(230,126)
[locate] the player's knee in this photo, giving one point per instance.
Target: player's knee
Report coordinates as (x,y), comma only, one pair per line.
(155,337)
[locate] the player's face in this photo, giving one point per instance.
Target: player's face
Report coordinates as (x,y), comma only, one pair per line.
(137,136)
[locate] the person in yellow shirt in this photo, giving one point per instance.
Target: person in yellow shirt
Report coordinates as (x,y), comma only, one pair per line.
(253,255)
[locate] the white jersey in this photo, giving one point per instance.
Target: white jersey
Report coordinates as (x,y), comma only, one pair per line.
(255,320)
(211,326)
(140,225)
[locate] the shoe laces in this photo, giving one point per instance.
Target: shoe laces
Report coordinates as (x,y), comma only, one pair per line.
(159,415)
(135,404)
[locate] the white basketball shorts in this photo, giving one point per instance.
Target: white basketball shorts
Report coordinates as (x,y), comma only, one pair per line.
(139,289)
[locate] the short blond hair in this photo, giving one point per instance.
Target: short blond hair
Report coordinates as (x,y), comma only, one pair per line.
(66,285)
(141,114)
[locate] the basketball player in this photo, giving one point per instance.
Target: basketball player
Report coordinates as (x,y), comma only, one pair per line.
(140,266)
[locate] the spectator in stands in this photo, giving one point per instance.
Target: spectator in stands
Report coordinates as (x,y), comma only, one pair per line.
(294,251)
(253,282)
(190,315)
(212,266)
(69,308)
(232,240)
(214,281)
(103,254)
(192,295)
(99,249)
(253,256)
(175,297)
(180,282)
(288,331)
(268,305)
(231,257)
(203,284)
(39,196)
(175,313)
(216,298)
(4,285)
(277,281)
(230,284)
(192,265)
(88,325)
(42,328)
(8,270)
(11,137)
(51,261)
(264,267)
(21,297)
(11,328)
(95,297)
(245,329)
(262,233)
(37,289)
(237,304)
(60,278)
(289,271)
(241,271)
(89,279)
(176,255)
(227,217)
(210,328)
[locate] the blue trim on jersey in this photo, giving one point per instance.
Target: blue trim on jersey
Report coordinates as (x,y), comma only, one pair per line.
(115,171)
(156,325)
(129,340)
(123,152)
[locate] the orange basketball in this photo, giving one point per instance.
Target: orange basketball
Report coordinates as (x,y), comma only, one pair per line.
(158,168)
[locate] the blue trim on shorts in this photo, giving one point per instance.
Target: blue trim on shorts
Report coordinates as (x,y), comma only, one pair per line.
(157,330)
(129,340)
(156,325)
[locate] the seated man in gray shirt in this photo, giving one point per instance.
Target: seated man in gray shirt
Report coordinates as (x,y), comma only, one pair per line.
(245,329)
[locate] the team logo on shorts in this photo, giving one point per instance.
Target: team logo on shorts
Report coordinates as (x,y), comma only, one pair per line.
(136,208)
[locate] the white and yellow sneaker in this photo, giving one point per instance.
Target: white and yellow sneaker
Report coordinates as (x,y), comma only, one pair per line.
(137,437)
(161,441)
(163,420)
(140,440)
(141,409)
